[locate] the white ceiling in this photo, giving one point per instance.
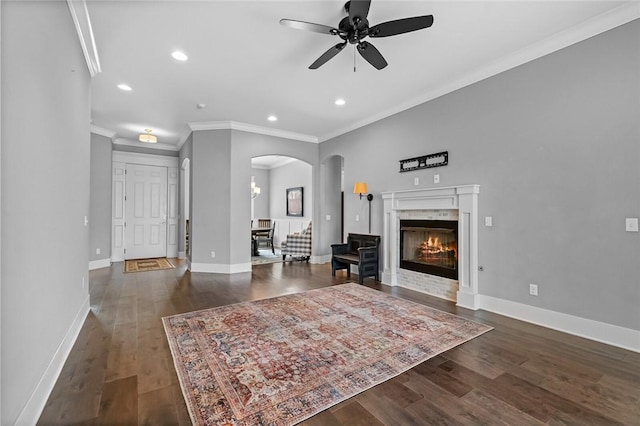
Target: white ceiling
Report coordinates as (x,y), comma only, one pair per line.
(245,66)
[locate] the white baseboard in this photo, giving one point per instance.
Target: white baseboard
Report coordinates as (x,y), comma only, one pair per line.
(38,399)
(218,268)
(610,334)
(97,264)
(320,259)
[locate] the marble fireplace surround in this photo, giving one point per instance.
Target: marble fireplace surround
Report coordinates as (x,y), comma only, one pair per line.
(462,198)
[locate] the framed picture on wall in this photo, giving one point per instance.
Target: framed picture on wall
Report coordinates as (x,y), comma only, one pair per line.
(294,201)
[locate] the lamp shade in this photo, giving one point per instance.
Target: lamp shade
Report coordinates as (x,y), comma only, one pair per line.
(360,188)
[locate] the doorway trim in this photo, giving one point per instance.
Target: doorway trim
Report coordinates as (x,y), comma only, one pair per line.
(119,160)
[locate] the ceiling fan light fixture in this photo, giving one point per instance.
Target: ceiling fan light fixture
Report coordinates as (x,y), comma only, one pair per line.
(340,102)
(272,118)
(124,87)
(147,137)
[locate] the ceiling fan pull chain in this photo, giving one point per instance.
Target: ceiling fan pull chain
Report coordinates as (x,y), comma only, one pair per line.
(354,58)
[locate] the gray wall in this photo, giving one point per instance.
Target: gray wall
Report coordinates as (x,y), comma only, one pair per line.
(291,175)
(211,197)
(185,152)
(330,194)
(554,145)
(245,146)
(45,191)
(100,198)
(261,203)
(221,206)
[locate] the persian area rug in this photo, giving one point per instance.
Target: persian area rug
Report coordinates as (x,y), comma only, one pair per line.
(142,265)
(279,361)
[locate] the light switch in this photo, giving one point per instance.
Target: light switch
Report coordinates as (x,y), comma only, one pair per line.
(631,224)
(328,217)
(488,221)
(416,181)
(436,178)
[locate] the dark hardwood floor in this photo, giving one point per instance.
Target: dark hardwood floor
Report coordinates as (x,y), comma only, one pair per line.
(120,371)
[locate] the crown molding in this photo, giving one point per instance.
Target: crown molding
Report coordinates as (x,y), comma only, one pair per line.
(281,162)
(102,131)
(589,28)
(185,135)
(129,142)
(246,127)
(82,22)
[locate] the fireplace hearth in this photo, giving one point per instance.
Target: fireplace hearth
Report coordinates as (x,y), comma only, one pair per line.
(430,247)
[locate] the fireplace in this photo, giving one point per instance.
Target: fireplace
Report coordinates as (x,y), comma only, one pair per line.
(453,203)
(430,246)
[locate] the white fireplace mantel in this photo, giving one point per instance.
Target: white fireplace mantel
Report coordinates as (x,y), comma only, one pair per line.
(462,198)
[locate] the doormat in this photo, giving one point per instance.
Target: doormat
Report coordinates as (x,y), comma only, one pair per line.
(143,265)
(281,360)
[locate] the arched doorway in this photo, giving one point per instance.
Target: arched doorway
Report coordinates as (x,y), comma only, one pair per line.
(273,175)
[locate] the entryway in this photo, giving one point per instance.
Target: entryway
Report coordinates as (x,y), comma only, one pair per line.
(145,206)
(145,212)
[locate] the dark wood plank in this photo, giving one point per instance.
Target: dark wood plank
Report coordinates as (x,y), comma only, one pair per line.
(119,403)
(356,415)
(120,370)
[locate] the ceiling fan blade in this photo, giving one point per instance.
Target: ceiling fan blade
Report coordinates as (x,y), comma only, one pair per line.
(371,55)
(401,26)
(327,55)
(358,10)
(309,26)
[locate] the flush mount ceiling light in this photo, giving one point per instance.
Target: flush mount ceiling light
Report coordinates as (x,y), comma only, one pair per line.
(124,87)
(147,137)
(340,102)
(179,56)
(272,118)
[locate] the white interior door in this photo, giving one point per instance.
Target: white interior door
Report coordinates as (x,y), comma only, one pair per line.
(146,212)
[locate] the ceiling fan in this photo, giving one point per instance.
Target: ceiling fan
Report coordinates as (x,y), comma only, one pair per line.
(355,27)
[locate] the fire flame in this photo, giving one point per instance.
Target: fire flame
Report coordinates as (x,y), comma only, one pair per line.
(433,246)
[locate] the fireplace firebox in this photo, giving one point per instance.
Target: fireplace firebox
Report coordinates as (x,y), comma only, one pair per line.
(430,246)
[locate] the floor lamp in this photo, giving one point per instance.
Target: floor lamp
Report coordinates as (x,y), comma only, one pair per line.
(360,188)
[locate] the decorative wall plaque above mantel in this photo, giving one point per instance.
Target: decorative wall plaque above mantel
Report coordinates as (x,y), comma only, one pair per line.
(424,162)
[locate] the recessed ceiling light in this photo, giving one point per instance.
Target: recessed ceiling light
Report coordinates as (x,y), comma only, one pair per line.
(272,118)
(124,87)
(179,56)
(340,102)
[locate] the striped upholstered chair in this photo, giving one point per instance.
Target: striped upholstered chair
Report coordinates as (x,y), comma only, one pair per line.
(297,245)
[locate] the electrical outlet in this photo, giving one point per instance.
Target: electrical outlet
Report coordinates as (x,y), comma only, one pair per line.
(213,254)
(631,224)
(97,251)
(488,221)
(357,218)
(436,178)
(328,217)
(533,289)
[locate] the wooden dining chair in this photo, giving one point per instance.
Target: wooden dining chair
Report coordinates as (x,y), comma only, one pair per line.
(267,238)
